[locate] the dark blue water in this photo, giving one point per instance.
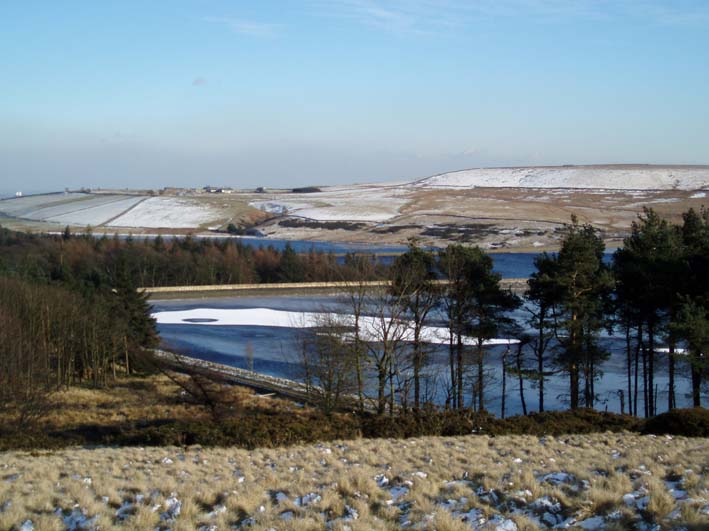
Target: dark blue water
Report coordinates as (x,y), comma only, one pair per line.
(509,265)
(276,351)
(302,246)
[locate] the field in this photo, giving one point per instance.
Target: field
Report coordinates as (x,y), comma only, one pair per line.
(503,209)
(611,481)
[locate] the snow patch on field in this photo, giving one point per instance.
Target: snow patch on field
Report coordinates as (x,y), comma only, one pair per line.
(418,483)
(371,328)
(167,212)
(73,209)
(596,177)
(339,213)
(98,214)
(279,207)
(21,206)
(354,203)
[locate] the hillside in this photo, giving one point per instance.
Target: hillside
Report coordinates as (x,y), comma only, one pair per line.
(601,481)
(503,209)
(610,177)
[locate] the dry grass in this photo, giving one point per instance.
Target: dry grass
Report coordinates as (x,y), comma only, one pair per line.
(433,483)
(139,399)
(517,219)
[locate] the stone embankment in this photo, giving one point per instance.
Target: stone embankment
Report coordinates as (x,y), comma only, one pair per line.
(515,284)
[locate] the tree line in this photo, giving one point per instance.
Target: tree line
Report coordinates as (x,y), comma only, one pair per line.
(91,261)
(71,312)
(655,289)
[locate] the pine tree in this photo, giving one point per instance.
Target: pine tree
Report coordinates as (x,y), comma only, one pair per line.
(584,284)
(413,273)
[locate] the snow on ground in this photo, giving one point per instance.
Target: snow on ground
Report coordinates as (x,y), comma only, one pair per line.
(608,177)
(503,483)
(279,207)
(350,213)
(354,203)
(698,195)
(167,212)
(21,206)
(371,328)
(97,214)
(47,212)
(70,208)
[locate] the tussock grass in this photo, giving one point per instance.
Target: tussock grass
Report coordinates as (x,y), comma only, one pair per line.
(352,484)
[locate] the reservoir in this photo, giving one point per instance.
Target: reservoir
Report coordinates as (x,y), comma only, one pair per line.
(276,350)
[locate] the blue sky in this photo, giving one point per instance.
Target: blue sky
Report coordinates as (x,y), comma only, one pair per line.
(329,91)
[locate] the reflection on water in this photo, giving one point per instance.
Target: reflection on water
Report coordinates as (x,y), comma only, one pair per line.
(275,352)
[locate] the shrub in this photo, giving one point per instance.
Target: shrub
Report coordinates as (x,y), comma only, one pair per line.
(563,422)
(690,422)
(324,225)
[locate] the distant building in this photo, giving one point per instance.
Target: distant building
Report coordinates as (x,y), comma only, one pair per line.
(18,194)
(215,190)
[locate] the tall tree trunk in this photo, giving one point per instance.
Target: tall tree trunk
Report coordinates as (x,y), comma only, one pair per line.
(417,367)
(651,366)
(391,389)
(696,385)
(459,368)
(645,382)
(358,362)
(504,383)
(574,385)
(125,351)
(521,380)
(593,383)
(638,346)
(451,362)
(671,370)
(540,371)
(629,363)
(481,376)
(381,389)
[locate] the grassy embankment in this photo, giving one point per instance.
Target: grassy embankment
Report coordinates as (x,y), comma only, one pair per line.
(345,479)
(622,481)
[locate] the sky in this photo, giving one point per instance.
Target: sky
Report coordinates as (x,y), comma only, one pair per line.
(243,94)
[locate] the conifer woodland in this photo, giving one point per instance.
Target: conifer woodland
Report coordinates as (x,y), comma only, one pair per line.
(71,314)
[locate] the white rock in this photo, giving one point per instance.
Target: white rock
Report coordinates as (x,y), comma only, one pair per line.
(216,511)
(350,513)
(281,497)
(595,522)
(308,499)
(398,492)
(546,504)
(557,478)
(173,507)
(382,480)
(550,519)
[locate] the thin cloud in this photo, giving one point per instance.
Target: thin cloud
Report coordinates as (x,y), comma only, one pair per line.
(435,16)
(248,28)
(199,82)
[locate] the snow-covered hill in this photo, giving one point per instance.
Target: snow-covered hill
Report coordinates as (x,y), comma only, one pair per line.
(620,177)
